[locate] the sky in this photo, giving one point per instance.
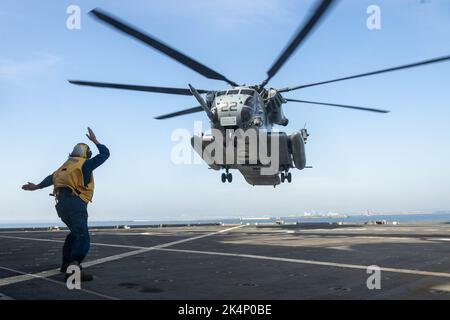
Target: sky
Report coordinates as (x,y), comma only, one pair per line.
(361,161)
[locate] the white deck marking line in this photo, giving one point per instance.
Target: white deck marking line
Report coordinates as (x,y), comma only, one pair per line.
(34,239)
(57,282)
(32,231)
(49,273)
(312,262)
(62,241)
(160,246)
(5,297)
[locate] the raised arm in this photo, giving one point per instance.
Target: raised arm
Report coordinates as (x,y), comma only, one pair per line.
(47,182)
(99,159)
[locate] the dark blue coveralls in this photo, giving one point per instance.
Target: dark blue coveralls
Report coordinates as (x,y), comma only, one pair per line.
(73,211)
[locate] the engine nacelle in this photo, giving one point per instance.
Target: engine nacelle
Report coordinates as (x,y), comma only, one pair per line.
(274,102)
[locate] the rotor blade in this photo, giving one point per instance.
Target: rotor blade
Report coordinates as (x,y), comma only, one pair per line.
(178,91)
(180,113)
(406,66)
(339,105)
(161,47)
(301,35)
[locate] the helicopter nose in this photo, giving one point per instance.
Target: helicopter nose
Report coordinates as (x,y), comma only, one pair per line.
(246,114)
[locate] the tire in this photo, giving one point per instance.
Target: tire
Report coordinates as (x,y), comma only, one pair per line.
(224,178)
(230,178)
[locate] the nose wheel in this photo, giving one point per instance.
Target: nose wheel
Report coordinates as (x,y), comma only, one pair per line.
(227,177)
(286,177)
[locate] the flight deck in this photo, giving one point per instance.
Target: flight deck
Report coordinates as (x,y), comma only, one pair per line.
(266,261)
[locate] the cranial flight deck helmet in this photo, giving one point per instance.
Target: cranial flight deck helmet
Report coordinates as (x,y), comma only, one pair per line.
(81,150)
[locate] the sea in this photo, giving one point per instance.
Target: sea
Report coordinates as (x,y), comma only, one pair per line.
(389,218)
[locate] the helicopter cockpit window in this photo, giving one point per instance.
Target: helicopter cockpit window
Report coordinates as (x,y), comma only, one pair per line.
(233,92)
(221,93)
(247,92)
(250,102)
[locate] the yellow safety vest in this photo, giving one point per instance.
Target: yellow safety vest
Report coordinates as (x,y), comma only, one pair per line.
(70,175)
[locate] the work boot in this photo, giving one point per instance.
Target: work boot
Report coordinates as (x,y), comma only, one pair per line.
(64,267)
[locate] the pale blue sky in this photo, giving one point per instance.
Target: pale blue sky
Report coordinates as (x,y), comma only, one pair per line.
(393,162)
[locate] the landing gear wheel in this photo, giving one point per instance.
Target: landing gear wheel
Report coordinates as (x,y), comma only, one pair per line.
(224,177)
(283,177)
(230,177)
(289,177)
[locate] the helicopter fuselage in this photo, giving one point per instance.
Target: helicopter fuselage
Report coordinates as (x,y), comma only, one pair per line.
(237,115)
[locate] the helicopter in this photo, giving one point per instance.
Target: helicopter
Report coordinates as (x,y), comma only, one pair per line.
(245,107)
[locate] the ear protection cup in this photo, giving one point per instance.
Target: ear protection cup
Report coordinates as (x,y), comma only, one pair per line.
(88,152)
(81,150)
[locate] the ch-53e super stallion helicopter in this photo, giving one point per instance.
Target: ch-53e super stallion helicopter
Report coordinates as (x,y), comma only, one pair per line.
(245,107)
